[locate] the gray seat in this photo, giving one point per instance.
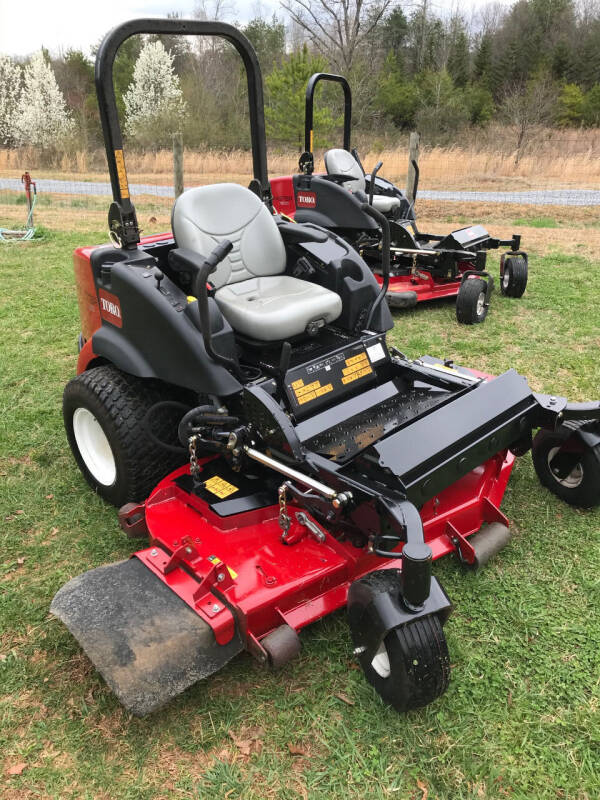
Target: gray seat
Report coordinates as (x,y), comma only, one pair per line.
(252,293)
(341,162)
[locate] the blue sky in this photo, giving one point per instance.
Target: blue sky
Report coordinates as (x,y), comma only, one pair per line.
(80,24)
(57,24)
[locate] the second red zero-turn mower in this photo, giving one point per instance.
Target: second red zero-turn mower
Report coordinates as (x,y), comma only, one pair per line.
(424,266)
(294,463)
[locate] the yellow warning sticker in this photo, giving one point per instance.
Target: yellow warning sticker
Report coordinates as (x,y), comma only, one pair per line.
(355,359)
(215,560)
(309,388)
(123,185)
(311,391)
(305,398)
(356,374)
(219,487)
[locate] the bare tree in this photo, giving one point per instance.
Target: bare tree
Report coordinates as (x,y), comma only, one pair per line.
(527,106)
(337,28)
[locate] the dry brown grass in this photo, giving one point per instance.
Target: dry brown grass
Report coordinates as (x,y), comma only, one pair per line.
(576,229)
(553,159)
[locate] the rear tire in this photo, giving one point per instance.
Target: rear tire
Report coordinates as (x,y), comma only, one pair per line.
(103,412)
(514,279)
(582,486)
(471,305)
(412,666)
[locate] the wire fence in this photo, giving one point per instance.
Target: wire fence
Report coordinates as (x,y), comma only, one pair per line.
(556,176)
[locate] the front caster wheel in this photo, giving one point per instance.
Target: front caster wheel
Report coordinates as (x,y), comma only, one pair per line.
(471,304)
(411,668)
(513,280)
(567,466)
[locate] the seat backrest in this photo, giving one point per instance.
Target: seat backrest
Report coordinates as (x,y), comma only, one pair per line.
(341,162)
(204,216)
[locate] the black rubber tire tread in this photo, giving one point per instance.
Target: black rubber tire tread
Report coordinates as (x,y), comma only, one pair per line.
(409,685)
(587,494)
(517,281)
(119,402)
(466,301)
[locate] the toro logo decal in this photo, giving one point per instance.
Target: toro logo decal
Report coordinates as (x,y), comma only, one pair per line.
(306,199)
(110,308)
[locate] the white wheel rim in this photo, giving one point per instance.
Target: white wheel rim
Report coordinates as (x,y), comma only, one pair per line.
(381,662)
(480,304)
(93,446)
(570,481)
(506,278)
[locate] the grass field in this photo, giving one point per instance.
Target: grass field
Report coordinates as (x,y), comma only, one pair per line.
(521,718)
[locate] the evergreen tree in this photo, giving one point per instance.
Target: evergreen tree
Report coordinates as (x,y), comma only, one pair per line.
(590,107)
(41,118)
(397,97)
(570,105)
(483,62)
(284,111)
(458,65)
(268,39)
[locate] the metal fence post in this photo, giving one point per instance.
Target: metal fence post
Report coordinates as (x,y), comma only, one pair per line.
(178,163)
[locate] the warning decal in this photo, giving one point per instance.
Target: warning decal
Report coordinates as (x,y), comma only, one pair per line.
(311,391)
(220,487)
(215,560)
(123,185)
(356,367)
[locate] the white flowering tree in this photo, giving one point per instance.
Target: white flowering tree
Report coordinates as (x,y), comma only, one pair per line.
(153,101)
(10,87)
(41,117)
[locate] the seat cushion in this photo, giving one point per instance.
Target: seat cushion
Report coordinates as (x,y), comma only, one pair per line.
(385,204)
(276,307)
(204,216)
(341,162)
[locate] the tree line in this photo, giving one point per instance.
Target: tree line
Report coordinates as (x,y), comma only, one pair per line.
(534,63)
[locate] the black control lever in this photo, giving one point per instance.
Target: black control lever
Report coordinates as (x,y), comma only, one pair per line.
(376,169)
(385,256)
(415,166)
(202,267)
(209,266)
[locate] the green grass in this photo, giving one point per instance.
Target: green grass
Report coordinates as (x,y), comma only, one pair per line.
(536,222)
(520,719)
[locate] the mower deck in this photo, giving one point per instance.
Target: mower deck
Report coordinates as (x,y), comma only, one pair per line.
(219,552)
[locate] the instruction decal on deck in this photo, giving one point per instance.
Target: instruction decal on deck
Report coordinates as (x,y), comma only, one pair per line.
(220,487)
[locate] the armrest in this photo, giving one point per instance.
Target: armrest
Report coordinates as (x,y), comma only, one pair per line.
(200,266)
(293,233)
(335,177)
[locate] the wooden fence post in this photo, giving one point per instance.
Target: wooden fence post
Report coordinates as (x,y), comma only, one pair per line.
(178,163)
(413,155)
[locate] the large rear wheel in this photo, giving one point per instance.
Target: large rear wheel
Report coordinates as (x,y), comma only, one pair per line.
(104,412)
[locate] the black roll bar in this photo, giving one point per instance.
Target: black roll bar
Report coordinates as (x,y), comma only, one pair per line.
(308,109)
(122,218)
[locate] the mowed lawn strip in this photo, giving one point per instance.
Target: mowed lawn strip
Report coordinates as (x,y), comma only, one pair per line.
(520,719)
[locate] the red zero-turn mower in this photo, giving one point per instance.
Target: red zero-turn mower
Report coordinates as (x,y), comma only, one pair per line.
(293,463)
(424,266)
